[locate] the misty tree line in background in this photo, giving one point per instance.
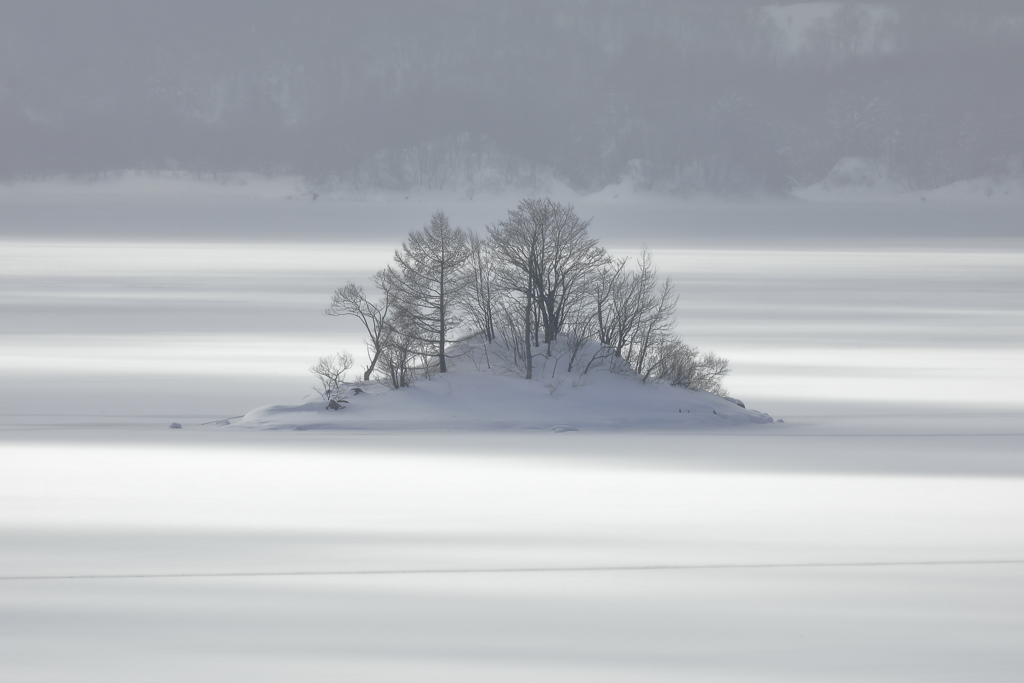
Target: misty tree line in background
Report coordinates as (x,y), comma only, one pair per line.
(536,286)
(682,94)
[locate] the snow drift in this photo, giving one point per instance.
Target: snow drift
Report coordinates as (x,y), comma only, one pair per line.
(479,392)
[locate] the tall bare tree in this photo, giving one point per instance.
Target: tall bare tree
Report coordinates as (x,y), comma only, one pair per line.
(373,315)
(548,244)
(517,243)
(481,288)
(632,311)
(431,276)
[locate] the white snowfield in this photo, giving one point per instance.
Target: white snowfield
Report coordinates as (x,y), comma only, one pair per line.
(510,532)
(473,396)
(828,552)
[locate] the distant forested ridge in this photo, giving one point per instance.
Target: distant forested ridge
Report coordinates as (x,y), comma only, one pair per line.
(730,96)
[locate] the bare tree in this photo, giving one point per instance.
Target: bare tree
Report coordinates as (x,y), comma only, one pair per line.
(373,315)
(633,312)
(606,291)
(517,243)
(570,256)
(399,351)
(479,300)
(548,258)
(330,370)
(683,366)
(537,271)
(709,371)
(656,322)
(432,275)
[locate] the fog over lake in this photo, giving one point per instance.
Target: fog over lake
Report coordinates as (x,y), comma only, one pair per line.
(836,199)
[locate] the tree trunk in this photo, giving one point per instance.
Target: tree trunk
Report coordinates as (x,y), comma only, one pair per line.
(373,364)
(442,310)
(526,339)
(536,328)
(444,366)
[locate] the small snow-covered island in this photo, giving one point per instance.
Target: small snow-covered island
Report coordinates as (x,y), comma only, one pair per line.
(533,325)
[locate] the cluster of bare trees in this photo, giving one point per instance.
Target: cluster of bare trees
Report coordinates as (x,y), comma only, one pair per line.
(535,287)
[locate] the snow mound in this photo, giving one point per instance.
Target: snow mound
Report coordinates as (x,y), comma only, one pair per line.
(1004,189)
(479,394)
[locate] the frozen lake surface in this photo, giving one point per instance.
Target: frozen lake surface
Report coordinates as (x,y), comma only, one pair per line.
(800,556)
(876,535)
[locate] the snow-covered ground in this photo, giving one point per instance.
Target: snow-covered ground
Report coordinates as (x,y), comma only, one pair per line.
(874,535)
(483,389)
(855,179)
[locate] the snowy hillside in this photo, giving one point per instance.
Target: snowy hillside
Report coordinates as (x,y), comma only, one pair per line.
(478,392)
(868,180)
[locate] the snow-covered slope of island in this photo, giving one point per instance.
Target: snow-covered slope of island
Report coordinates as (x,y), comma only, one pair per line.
(480,392)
